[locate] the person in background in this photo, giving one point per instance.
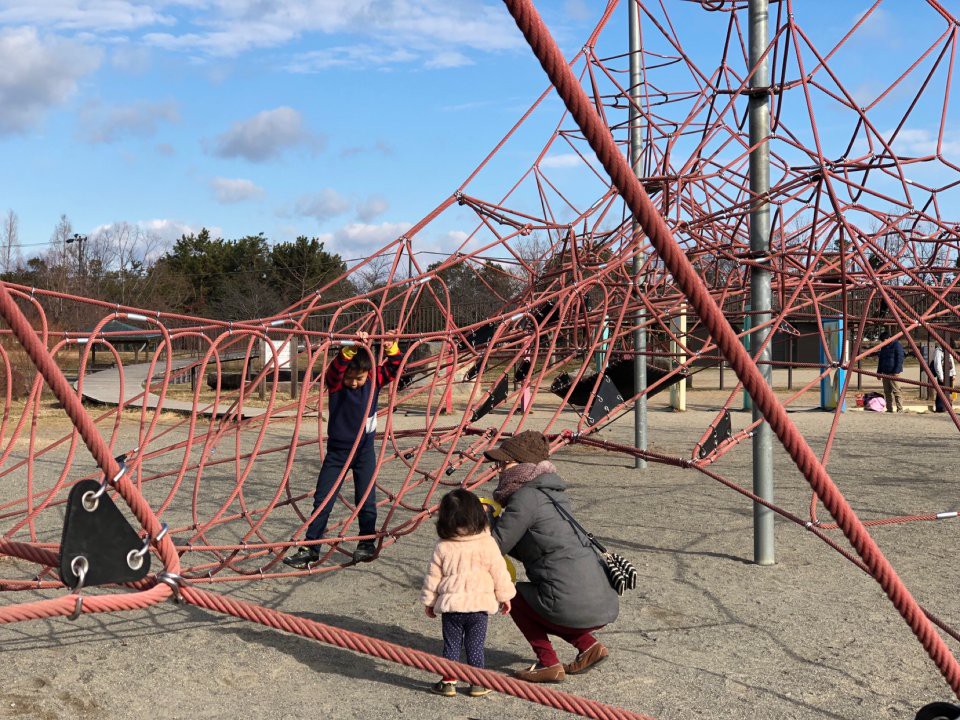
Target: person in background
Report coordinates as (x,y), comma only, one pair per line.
(944,374)
(890,365)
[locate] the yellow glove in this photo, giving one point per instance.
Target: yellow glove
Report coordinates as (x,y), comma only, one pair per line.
(348,351)
(497,509)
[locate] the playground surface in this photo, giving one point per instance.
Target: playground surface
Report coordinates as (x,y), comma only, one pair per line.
(706,634)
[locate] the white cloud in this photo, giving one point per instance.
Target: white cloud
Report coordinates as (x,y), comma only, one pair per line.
(453,23)
(97,15)
(132,59)
(471,106)
(322,205)
(434,32)
(378,148)
(354,57)
(438,33)
(229,42)
(879,26)
(235,190)
(448,59)
(169,231)
(372,207)
(265,136)
(564,160)
(362,238)
(577,10)
(99,124)
(36,74)
(920,141)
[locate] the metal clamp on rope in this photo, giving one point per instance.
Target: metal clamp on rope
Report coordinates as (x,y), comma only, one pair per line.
(91,499)
(76,610)
(79,565)
(135,557)
(173,580)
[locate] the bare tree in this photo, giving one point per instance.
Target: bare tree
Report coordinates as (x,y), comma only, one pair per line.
(61,257)
(373,274)
(124,249)
(10,257)
(534,252)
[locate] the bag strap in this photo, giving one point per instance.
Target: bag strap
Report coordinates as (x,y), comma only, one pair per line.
(573,523)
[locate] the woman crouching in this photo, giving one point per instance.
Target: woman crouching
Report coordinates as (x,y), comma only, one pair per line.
(567,593)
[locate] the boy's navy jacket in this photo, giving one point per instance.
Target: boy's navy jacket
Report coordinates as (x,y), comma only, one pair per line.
(890,359)
(349,412)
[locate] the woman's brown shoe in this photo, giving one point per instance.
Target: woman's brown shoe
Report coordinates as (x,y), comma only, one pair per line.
(540,674)
(593,655)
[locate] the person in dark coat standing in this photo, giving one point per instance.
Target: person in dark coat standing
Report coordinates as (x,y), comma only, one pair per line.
(890,363)
(567,593)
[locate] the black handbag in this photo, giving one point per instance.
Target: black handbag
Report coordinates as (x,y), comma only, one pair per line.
(620,572)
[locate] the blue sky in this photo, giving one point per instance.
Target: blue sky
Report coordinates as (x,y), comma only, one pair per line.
(344,119)
(348,120)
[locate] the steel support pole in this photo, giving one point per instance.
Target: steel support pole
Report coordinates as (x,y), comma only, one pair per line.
(639,317)
(760,295)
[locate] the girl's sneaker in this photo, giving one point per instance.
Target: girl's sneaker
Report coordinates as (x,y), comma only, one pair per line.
(478,691)
(445,688)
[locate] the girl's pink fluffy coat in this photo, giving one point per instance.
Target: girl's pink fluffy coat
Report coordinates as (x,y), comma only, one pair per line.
(467,574)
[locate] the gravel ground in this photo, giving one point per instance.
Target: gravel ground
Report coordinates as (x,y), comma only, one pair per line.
(708,633)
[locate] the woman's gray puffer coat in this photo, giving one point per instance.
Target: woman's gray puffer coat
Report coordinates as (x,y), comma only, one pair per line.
(567,584)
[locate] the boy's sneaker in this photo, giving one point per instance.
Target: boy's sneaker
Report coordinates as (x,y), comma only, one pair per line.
(478,691)
(445,688)
(365,552)
(302,558)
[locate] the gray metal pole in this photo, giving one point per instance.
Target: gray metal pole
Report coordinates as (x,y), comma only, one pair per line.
(639,317)
(759,109)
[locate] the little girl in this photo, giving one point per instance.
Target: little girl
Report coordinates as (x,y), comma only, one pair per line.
(467,581)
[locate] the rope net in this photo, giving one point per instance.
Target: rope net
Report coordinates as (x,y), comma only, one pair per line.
(223,424)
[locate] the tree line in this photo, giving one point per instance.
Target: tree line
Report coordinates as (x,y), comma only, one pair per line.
(206,276)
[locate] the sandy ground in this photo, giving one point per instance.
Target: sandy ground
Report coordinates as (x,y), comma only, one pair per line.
(707,634)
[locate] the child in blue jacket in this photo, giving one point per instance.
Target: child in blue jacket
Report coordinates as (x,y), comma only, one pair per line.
(351,381)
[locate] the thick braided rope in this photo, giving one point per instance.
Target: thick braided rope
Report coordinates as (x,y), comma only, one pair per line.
(68,604)
(29,551)
(70,400)
(598,135)
(407,656)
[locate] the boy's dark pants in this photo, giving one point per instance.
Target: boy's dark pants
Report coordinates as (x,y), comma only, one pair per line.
(364,464)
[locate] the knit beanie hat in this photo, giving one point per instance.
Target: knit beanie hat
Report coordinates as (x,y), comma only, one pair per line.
(530,446)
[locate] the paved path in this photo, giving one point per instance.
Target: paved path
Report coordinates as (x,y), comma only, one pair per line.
(104,387)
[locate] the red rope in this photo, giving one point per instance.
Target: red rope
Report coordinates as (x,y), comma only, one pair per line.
(406,656)
(623,177)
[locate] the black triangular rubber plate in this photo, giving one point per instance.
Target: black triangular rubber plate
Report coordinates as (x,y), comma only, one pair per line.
(102,536)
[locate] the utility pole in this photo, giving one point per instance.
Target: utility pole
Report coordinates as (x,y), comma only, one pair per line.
(760,295)
(639,317)
(80,240)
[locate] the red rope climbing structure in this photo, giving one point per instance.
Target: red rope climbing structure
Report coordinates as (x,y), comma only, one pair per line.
(223,424)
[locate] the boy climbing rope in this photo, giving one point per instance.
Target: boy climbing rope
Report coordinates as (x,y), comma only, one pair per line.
(354,387)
